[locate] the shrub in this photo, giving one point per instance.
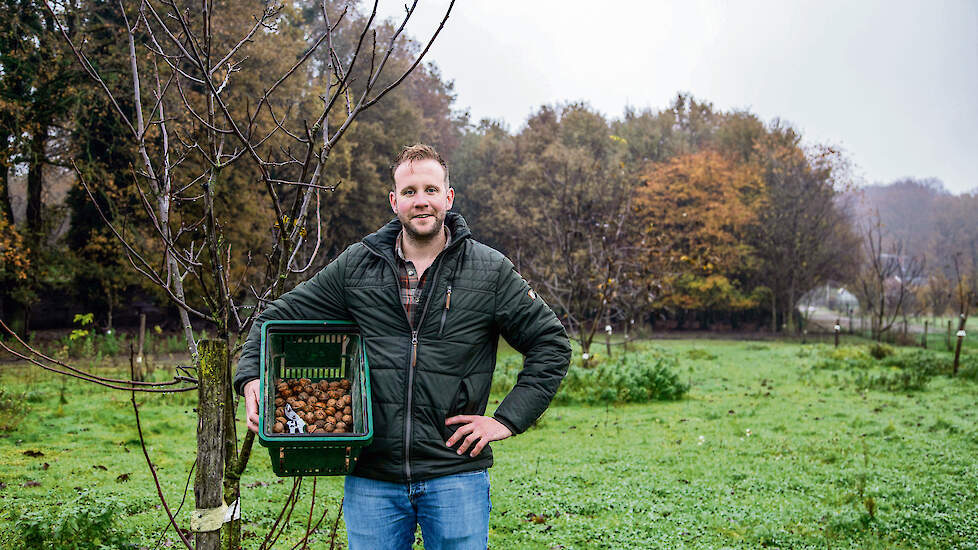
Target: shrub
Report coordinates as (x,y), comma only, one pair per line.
(880,351)
(845,357)
(926,362)
(700,353)
(633,378)
(88,522)
(109,344)
(895,380)
(13,408)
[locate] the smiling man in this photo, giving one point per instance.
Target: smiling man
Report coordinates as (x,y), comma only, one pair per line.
(431,303)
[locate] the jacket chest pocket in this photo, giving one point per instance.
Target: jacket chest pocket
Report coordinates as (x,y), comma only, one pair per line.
(462,310)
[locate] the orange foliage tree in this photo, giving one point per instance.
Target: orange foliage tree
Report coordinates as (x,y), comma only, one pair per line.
(693,211)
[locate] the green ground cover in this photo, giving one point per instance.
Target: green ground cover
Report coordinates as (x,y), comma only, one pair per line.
(774,445)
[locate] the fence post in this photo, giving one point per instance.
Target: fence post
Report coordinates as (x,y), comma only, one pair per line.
(947,338)
(957,347)
(923,341)
(837,330)
(140,367)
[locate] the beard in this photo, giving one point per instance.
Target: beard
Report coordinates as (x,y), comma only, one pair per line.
(424,234)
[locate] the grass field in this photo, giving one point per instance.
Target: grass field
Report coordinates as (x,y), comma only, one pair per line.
(766,450)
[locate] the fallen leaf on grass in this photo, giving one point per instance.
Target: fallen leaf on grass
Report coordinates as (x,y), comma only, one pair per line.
(45,466)
(3,485)
(32,483)
(100,467)
(536,518)
(34,454)
(122,477)
(257,484)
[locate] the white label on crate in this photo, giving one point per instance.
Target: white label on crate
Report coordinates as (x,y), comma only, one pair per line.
(295,423)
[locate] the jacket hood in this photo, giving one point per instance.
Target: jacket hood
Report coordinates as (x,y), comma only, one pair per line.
(383,239)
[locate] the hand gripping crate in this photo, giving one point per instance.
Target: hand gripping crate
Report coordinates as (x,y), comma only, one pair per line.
(320,352)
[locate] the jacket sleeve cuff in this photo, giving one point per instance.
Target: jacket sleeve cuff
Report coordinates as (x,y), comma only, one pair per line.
(509,425)
(240,384)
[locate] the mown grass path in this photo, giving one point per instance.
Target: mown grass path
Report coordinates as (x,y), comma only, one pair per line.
(763,452)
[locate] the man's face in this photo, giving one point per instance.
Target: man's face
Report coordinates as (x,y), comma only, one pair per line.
(421,198)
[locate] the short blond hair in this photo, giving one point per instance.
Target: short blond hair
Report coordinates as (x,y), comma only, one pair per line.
(418,151)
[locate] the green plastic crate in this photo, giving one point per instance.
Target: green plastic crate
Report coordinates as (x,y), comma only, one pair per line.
(317,350)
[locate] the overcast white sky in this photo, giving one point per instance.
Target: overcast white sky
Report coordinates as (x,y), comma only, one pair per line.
(893,83)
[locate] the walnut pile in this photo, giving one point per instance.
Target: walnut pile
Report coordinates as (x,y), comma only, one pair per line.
(325,406)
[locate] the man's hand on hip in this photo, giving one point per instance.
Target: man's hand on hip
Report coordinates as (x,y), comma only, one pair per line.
(476,429)
(251,404)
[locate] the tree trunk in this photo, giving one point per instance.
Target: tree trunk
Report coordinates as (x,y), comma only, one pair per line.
(6,209)
(35,183)
(212,393)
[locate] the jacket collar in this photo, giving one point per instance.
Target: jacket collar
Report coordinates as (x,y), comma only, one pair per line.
(382,241)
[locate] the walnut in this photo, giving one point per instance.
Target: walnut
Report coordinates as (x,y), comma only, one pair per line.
(285,392)
(298,405)
(345,384)
(330,411)
(279,411)
(281,419)
(329,427)
(347,419)
(278,428)
(279,401)
(333,385)
(347,410)
(304,381)
(312,400)
(340,427)
(331,402)
(319,415)
(303,396)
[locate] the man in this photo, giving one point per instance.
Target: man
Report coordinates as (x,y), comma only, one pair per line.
(431,303)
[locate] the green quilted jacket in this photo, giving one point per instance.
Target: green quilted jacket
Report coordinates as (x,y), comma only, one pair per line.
(418,379)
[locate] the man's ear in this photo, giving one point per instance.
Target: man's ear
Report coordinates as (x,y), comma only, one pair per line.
(451,197)
(393,200)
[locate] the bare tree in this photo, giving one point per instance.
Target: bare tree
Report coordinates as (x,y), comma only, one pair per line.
(887,280)
(195,117)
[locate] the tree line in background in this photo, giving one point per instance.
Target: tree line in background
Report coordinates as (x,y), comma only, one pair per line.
(686,216)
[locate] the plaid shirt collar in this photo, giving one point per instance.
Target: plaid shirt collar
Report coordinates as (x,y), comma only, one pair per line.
(411,285)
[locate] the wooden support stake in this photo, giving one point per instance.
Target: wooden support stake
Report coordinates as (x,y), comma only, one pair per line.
(140,362)
(957,348)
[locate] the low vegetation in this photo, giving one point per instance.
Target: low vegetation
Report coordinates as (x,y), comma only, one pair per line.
(772,445)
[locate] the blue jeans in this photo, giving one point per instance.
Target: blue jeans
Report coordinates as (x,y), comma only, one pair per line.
(453,512)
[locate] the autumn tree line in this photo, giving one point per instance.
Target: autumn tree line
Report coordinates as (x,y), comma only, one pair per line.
(685,216)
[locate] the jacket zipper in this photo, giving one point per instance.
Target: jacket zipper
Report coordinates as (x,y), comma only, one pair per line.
(414,358)
(444,312)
